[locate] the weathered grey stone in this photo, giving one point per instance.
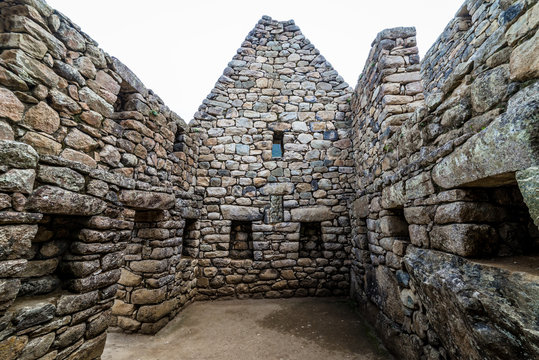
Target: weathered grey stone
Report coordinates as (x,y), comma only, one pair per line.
(18,180)
(312,214)
(152,313)
(90,349)
(393,196)
(68,304)
(37,347)
(528,183)
(131,81)
(146,199)
(489,88)
(28,69)
(469,305)
(12,268)
(459,212)
(93,282)
(29,44)
(54,200)
(9,289)
(241,213)
(17,154)
(95,102)
(393,226)
(504,147)
(277,189)
(148,296)
(419,186)
(61,176)
(35,314)
(464,239)
(70,335)
(524,63)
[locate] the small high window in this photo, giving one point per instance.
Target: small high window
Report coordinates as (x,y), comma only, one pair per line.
(277,148)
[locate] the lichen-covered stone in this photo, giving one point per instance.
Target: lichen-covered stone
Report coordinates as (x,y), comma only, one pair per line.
(54,200)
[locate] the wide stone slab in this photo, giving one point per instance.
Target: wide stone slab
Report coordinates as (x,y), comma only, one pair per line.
(312,214)
(241,213)
(477,311)
(277,189)
(54,200)
(147,200)
(490,157)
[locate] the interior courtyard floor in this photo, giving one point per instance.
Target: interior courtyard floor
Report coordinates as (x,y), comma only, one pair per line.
(287,329)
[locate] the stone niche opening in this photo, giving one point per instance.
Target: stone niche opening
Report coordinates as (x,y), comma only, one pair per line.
(506,235)
(310,240)
(241,240)
(50,263)
(189,241)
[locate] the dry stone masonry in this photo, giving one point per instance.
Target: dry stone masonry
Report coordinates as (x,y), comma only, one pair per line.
(406,194)
(274,166)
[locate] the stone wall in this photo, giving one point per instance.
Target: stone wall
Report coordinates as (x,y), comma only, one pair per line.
(96,181)
(274,224)
(445,179)
(286,183)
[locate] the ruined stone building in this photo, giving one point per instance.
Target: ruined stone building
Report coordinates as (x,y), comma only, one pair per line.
(411,194)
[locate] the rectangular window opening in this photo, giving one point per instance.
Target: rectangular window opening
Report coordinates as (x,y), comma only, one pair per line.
(241,240)
(277,148)
(310,240)
(189,239)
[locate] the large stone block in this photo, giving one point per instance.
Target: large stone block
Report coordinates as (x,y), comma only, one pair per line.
(459,212)
(131,81)
(139,199)
(18,155)
(241,213)
(18,180)
(54,200)
(277,189)
(419,186)
(489,88)
(490,157)
(524,61)
(393,226)
(477,311)
(42,118)
(152,313)
(312,214)
(29,69)
(464,239)
(393,196)
(61,176)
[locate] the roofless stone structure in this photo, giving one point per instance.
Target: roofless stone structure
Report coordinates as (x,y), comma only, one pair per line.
(414,194)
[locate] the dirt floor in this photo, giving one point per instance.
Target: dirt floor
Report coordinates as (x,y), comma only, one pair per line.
(280,329)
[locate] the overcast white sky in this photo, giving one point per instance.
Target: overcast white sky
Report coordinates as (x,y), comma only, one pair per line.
(180,48)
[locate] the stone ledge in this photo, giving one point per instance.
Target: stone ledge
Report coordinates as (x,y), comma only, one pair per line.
(147,200)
